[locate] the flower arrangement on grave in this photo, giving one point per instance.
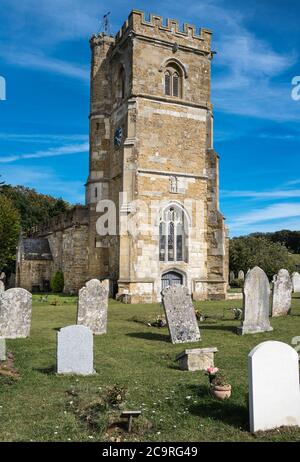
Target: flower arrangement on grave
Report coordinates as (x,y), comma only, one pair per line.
(219,385)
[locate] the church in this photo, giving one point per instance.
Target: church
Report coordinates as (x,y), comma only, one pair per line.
(152,215)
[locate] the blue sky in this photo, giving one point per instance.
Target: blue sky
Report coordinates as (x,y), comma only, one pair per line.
(45,56)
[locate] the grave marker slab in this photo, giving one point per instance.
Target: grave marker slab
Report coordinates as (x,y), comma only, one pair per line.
(256,303)
(92,306)
(180,314)
(196,359)
(274,395)
(282,294)
(75,350)
(15,313)
(296,282)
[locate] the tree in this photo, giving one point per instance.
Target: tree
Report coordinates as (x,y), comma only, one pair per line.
(9,233)
(249,251)
(57,282)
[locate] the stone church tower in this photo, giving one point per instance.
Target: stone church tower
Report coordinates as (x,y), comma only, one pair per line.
(151,154)
(152,208)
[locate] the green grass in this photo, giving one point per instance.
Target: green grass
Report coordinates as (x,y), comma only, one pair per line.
(175,404)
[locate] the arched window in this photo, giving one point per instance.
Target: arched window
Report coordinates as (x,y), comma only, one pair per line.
(120,94)
(173,81)
(172,235)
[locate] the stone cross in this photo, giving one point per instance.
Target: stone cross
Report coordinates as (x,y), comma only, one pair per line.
(75,350)
(274,395)
(15,313)
(2,349)
(241,275)
(296,282)
(282,294)
(92,306)
(256,303)
(180,314)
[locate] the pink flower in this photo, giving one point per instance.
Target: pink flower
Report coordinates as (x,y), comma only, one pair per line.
(212,370)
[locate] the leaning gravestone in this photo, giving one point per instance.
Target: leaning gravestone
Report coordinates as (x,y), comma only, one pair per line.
(282,294)
(75,350)
(2,286)
(256,303)
(241,275)
(231,277)
(2,349)
(92,306)
(296,282)
(274,395)
(180,314)
(15,313)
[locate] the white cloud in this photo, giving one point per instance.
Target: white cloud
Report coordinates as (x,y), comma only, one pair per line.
(46,181)
(41,137)
(51,152)
(275,194)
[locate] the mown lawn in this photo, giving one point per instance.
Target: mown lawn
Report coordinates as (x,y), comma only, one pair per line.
(176,406)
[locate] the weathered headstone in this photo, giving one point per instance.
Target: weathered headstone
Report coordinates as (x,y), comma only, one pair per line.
(274,395)
(15,313)
(2,286)
(256,303)
(231,277)
(196,359)
(282,294)
(180,314)
(92,306)
(75,350)
(241,275)
(2,349)
(296,282)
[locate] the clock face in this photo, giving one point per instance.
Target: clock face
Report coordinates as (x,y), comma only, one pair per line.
(118,136)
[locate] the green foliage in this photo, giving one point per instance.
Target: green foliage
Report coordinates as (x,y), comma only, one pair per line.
(238,283)
(57,282)
(249,251)
(291,239)
(33,208)
(9,233)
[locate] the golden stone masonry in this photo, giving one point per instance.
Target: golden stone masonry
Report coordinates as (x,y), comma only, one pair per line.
(151,142)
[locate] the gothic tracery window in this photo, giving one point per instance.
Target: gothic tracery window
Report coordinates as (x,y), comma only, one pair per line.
(173,81)
(172,235)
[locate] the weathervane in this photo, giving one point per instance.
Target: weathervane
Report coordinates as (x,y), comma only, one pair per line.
(105,25)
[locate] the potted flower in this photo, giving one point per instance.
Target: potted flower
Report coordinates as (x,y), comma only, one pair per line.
(219,386)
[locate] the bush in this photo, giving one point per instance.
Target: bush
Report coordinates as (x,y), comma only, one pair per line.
(57,282)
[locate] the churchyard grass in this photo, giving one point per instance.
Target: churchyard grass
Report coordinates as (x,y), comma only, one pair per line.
(175,404)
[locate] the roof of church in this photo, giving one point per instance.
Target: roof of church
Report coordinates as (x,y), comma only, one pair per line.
(36,249)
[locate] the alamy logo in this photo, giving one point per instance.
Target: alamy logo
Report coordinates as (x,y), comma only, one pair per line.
(296,90)
(2,89)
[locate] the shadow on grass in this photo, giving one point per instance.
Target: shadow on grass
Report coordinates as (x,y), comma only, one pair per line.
(214,327)
(46,370)
(150,336)
(227,411)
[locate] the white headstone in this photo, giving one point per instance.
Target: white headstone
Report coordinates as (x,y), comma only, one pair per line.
(15,313)
(282,294)
(274,394)
(231,277)
(296,282)
(241,275)
(75,350)
(92,306)
(256,303)
(2,349)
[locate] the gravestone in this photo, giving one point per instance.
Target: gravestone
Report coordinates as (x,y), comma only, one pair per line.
(231,277)
(296,282)
(282,294)
(2,349)
(256,303)
(15,313)
(241,275)
(75,350)
(196,359)
(180,314)
(92,306)
(2,286)
(274,395)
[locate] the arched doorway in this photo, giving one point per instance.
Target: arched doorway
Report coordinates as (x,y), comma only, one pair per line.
(171,278)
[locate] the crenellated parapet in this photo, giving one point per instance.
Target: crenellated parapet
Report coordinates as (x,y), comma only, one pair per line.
(156,27)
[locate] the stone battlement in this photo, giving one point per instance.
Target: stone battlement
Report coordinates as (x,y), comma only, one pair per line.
(156,27)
